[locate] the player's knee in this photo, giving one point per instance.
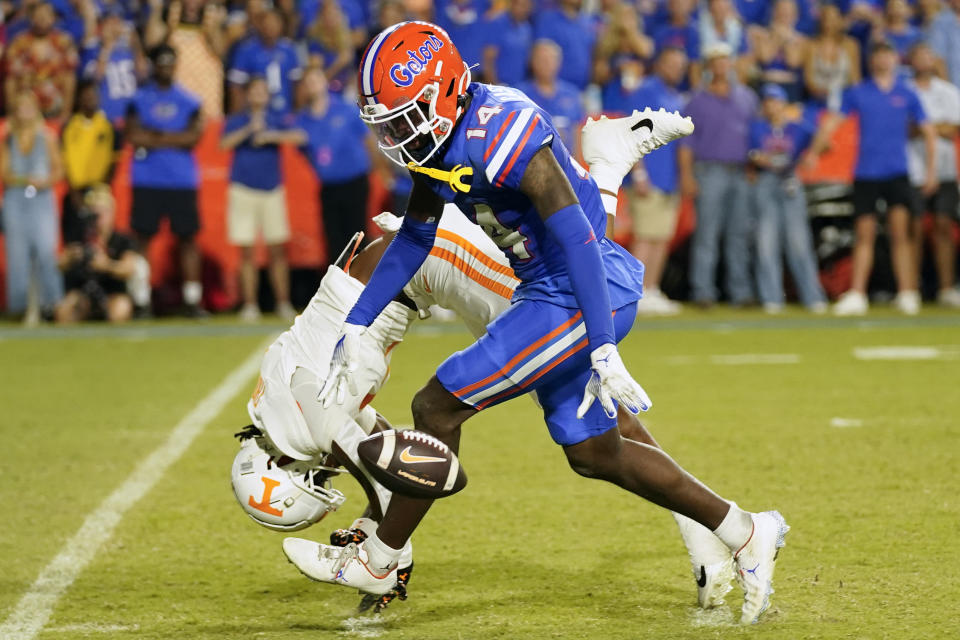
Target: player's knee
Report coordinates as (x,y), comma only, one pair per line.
(432,413)
(592,460)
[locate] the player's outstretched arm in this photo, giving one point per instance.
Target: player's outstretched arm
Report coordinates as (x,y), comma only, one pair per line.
(550,192)
(409,248)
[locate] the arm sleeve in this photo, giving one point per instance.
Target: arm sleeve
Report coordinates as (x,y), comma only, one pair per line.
(572,231)
(399,263)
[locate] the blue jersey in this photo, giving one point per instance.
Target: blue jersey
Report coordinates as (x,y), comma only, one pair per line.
(564,107)
(256,167)
(119,81)
(170,109)
(885,119)
(783,145)
(497,136)
(335,141)
(279,65)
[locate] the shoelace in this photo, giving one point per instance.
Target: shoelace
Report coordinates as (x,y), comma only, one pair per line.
(341,555)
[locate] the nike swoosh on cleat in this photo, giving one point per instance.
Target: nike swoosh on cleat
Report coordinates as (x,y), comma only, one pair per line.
(646,122)
(702,580)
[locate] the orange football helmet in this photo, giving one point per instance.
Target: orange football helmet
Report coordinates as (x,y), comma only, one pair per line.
(413,84)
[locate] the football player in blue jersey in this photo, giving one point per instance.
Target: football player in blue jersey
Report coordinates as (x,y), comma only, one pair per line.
(496,155)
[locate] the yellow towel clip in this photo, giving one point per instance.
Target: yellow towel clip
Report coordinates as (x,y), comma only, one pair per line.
(454,177)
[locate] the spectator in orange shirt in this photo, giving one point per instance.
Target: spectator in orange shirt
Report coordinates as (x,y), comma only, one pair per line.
(43,60)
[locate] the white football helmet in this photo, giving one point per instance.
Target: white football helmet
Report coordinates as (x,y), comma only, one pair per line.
(279,492)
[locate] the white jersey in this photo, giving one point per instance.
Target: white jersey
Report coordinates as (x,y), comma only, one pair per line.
(941,103)
(308,345)
(465,272)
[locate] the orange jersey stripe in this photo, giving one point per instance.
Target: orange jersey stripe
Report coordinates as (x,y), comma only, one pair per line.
(487,261)
(526,383)
(516,154)
(458,262)
(520,356)
(496,139)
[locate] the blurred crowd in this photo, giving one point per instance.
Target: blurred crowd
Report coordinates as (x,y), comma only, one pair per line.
(83,78)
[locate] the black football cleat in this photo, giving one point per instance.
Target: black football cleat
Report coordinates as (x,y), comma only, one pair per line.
(376,604)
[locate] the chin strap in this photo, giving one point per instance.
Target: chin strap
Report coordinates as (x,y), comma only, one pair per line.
(454,177)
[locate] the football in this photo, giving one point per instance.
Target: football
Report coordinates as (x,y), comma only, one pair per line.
(412,463)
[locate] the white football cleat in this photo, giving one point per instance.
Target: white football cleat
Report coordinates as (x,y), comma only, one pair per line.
(623,141)
(852,303)
(755,563)
(346,566)
(713,583)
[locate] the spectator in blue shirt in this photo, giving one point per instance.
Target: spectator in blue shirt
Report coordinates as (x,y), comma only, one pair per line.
(680,31)
(720,23)
(896,29)
(330,46)
(653,196)
(270,55)
(575,34)
(558,98)
(780,50)
(780,205)
(339,147)
(256,203)
(464,21)
(356,14)
(164,124)
(112,60)
(887,107)
(622,49)
(509,39)
(944,37)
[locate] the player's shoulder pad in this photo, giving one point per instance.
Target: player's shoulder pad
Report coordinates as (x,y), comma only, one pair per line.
(504,128)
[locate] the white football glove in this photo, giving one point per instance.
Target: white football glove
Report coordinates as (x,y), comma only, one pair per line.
(343,365)
(388,222)
(611,381)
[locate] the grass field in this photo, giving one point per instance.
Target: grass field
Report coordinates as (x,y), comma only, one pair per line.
(859,451)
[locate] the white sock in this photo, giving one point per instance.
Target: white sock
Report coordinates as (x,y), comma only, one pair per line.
(379,554)
(192,292)
(704,547)
(138,284)
(736,528)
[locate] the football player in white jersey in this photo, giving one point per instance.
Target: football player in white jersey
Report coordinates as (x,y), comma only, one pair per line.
(281,475)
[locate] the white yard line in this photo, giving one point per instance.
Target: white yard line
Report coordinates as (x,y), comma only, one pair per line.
(902,352)
(756,358)
(845,423)
(734,359)
(34,609)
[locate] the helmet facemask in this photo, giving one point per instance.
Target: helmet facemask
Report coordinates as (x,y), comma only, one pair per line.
(412,132)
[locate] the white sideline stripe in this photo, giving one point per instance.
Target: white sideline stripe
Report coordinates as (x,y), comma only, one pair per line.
(35,607)
(845,423)
(92,627)
(756,358)
(905,353)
